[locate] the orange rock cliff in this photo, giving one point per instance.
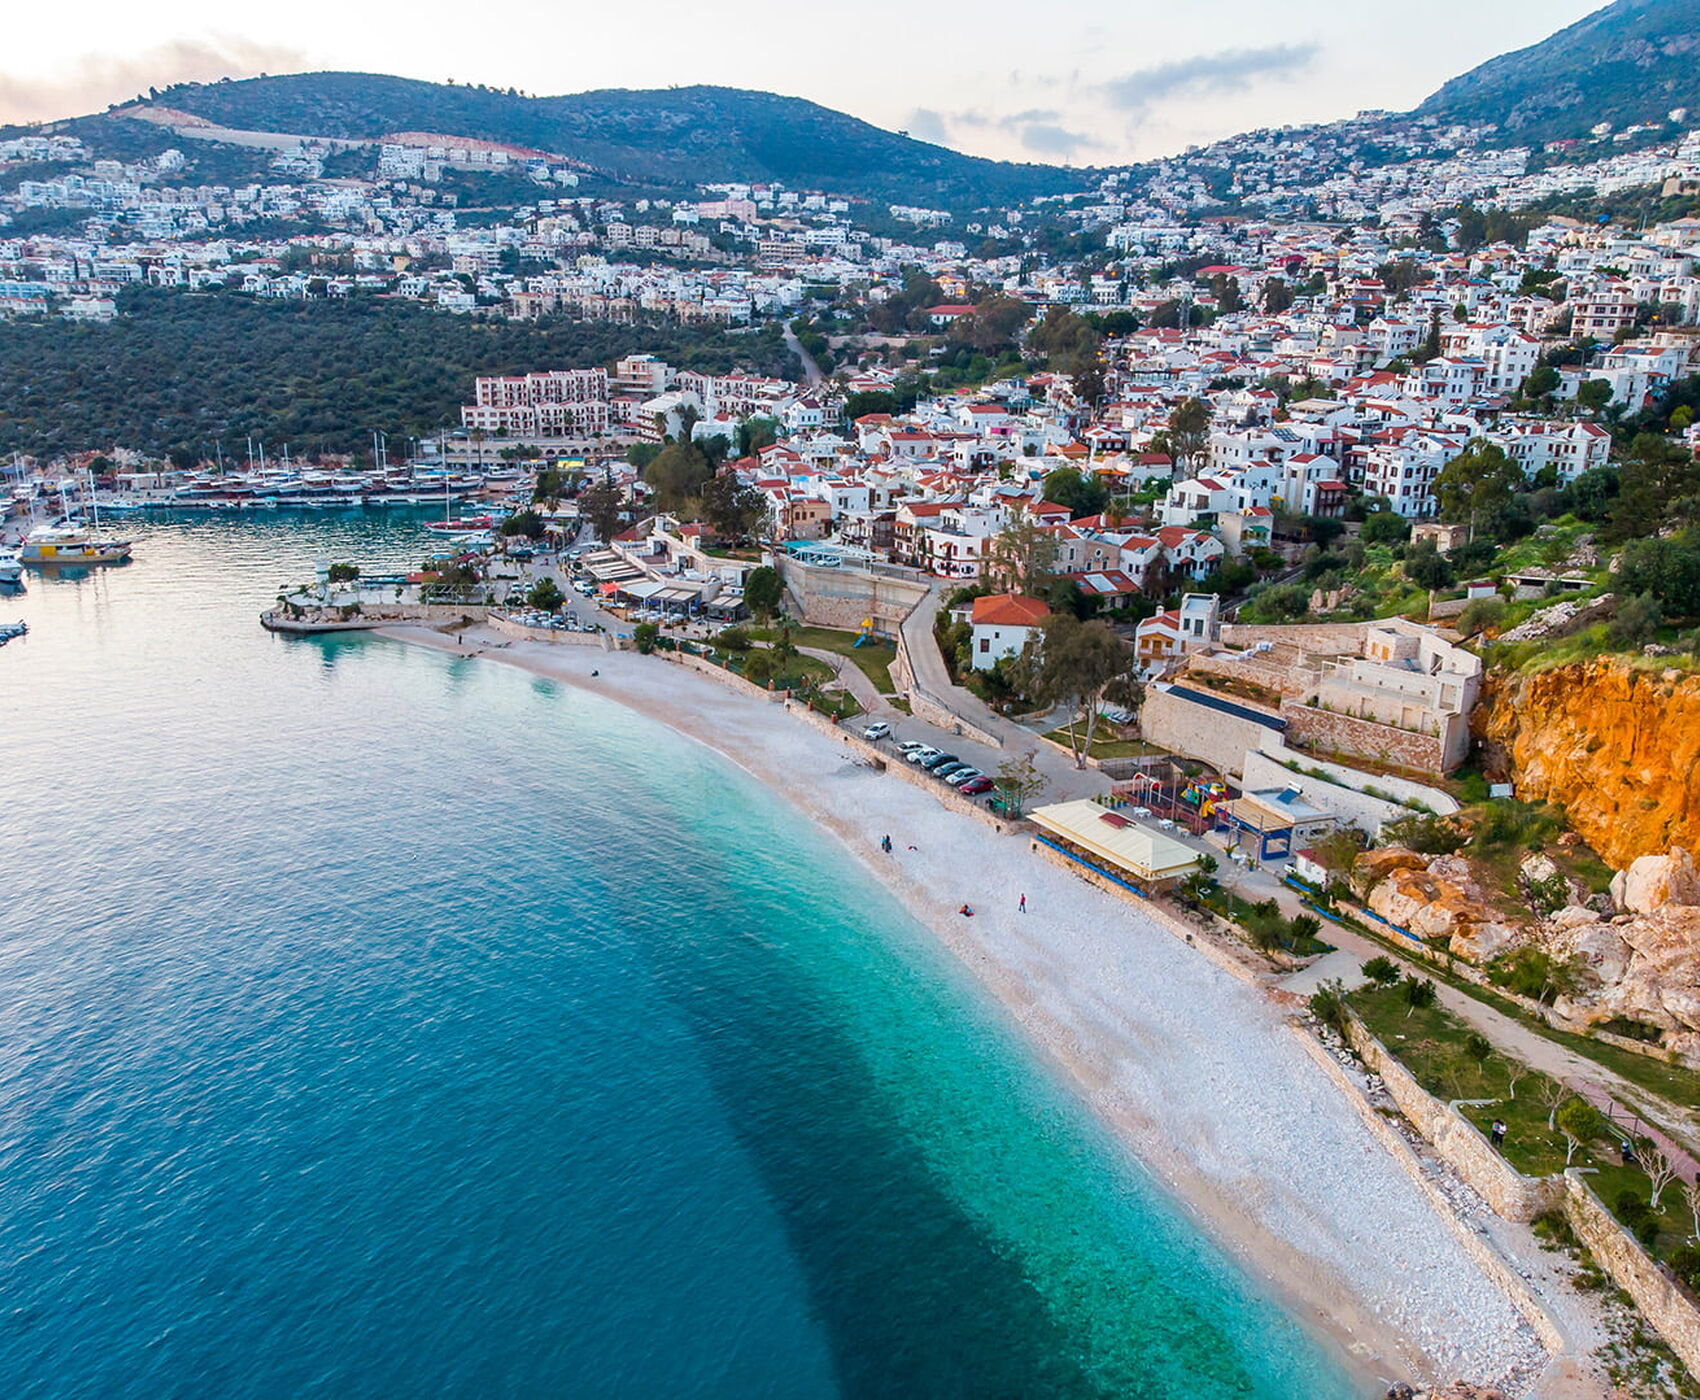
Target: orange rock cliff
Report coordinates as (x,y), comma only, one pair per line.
(1618,746)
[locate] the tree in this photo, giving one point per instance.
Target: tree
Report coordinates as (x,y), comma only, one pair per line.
(1543,382)
(545,595)
(1075,663)
(1083,495)
(1416,992)
(1664,572)
(1277,296)
(993,324)
(1382,970)
(1022,557)
(1385,527)
(763,590)
(1580,1122)
(600,507)
(1655,478)
(1018,780)
(757,433)
(1189,433)
(734,508)
(1637,621)
(1661,1171)
(678,474)
(342,573)
(1594,395)
(1427,567)
(645,635)
(1481,615)
(1477,482)
(523,522)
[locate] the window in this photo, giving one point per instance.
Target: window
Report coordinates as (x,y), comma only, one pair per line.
(985,645)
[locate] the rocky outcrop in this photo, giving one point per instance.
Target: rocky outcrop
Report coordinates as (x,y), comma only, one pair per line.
(1616,745)
(1652,882)
(1434,897)
(1645,961)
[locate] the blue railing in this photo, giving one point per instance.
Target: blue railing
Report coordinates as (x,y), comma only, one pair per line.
(1095,869)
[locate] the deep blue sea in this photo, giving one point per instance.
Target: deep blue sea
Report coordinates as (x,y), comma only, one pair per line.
(375,1023)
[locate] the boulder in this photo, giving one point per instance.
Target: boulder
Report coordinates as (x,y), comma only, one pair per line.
(1538,869)
(1649,969)
(1652,882)
(1372,867)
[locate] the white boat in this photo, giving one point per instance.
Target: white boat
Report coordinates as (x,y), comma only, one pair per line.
(71,544)
(11,566)
(9,630)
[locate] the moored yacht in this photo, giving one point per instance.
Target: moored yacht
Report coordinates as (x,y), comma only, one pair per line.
(71,544)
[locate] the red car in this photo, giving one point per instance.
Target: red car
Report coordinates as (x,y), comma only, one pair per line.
(977,786)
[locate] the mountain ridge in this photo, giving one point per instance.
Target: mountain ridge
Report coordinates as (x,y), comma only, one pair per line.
(1632,61)
(668,136)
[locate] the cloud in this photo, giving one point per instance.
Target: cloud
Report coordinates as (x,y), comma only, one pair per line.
(1036,129)
(1207,75)
(98,80)
(1049,139)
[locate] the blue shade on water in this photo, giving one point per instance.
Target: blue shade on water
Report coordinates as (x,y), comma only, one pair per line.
(375,1023)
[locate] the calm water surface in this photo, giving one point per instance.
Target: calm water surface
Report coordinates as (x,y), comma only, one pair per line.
(380,1024)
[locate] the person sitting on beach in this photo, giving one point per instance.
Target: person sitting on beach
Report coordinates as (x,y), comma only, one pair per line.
(966,912)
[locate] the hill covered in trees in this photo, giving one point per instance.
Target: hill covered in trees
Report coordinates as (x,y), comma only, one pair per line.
(675,137)
(1633,61)
(185,370)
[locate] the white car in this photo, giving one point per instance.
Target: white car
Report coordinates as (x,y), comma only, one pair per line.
(922,754)
(964,775)
(876,731)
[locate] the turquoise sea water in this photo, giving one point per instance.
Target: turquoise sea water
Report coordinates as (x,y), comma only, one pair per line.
(377,1024)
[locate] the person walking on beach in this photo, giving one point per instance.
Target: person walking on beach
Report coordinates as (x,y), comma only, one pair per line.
(885,844)
(1023,905)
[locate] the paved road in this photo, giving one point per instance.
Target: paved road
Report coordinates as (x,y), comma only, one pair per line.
(811,371)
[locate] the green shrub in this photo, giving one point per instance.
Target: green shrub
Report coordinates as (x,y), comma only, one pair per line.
(645,635)
(1383,971)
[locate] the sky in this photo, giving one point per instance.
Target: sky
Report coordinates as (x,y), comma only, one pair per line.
(1085,82)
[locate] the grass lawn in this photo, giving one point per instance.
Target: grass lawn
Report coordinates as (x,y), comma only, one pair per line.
(873,658)
(1431,1043)
(1106,748)
(1676,1084)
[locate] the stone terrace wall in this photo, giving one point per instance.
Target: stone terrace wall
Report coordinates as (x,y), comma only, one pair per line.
(1662,1303)
(1457,1140)
(843,598)
(1174,723)
(1319,639)
(1257,667)
(1347,734)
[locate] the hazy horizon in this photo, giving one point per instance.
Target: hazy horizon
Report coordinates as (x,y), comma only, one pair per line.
(1092,85)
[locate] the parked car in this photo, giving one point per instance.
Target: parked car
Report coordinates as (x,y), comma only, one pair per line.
(963,775)
(975,786)
(876,731)
(938,760)
(922,754)
(944,770)
(908,746)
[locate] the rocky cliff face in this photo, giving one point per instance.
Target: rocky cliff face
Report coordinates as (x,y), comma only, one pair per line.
(1616,746)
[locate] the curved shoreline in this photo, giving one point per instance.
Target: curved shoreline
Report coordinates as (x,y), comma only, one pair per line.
(1158,1076)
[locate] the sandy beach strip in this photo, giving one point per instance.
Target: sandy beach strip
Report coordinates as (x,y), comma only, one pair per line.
(1194,1070)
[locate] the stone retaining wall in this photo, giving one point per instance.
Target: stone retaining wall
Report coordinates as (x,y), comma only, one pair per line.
(1490,1263)
(928,708)
(1179,725)
(1347,734)
(1459,1142)
(842,598)
(1671,1310)
(1317,638)
(508,628)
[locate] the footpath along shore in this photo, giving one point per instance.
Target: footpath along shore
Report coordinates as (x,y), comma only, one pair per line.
(1195,1070)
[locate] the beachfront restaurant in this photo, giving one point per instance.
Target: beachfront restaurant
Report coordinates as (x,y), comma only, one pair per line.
(1275,822)
(1114,845)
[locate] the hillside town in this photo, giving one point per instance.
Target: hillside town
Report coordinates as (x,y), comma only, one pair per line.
(1296,540)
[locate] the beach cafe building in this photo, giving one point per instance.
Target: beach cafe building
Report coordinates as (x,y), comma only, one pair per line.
(1114,845)
(1275,822)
